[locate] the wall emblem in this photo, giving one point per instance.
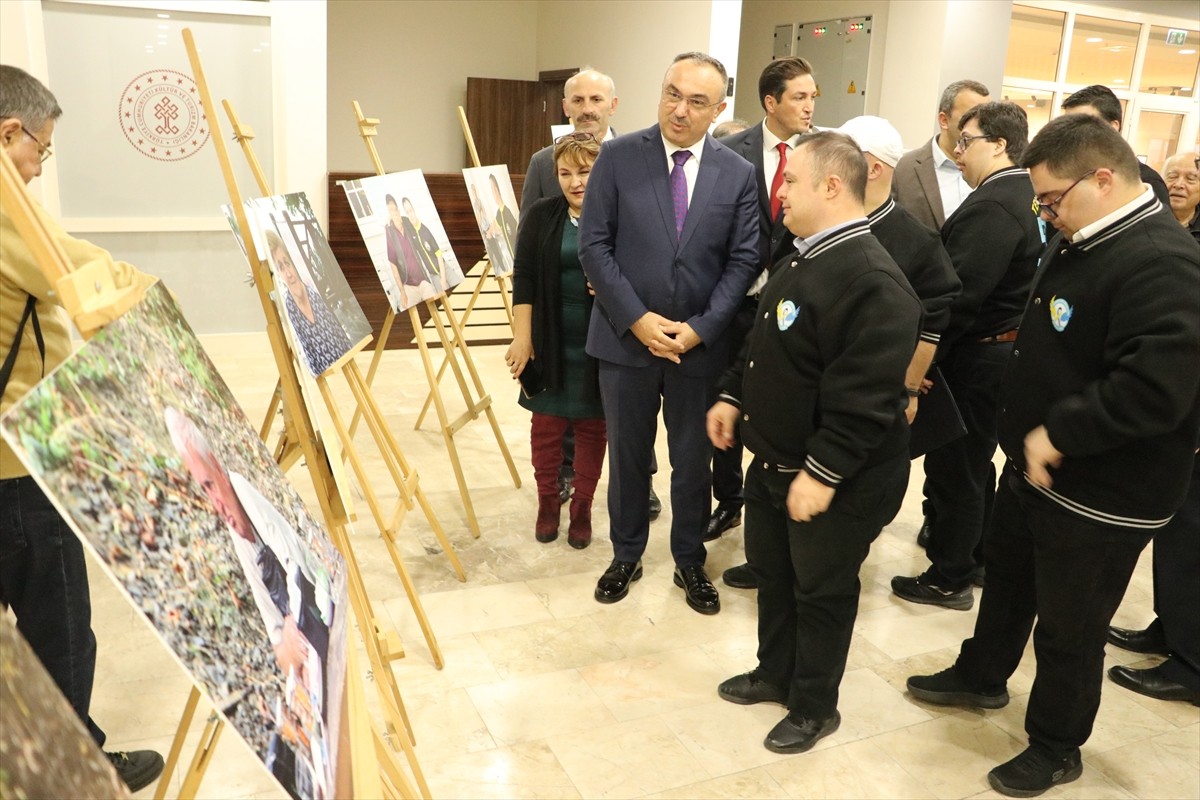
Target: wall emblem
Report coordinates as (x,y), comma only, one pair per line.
(161,115)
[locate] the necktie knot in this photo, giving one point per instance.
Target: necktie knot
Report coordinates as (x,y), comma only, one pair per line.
(680,157)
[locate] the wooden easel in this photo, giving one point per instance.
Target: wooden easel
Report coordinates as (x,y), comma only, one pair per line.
(381,646)
(367,129)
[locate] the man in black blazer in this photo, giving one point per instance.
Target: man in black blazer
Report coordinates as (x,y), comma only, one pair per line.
(670,251)
(787,91)
(994,241)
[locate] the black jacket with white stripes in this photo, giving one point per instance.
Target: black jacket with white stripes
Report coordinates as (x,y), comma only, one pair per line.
(820,381)
(1108,359)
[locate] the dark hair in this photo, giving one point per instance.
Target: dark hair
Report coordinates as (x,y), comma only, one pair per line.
(704,58)
(390,201)
(1075,144)
(1098,97)
(834,153)
(951,93)
(1000,119)
(23,97)
(775,77)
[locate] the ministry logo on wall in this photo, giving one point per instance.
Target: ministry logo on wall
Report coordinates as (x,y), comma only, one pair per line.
(161,115)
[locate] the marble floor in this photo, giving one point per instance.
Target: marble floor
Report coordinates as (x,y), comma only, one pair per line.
(547,694)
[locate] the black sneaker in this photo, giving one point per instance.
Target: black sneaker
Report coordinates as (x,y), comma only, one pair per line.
(1033,772)
(922,589)
(946,688)
(137,768)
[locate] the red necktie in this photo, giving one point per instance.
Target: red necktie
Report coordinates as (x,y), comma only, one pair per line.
(782,147)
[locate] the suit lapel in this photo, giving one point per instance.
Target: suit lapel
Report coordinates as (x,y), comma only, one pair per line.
(927,177)
(706,181)
(656,166)
(752,151)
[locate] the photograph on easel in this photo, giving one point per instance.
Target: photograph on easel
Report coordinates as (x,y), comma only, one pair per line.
(144,451)
(42,732)
(323,315)
(404,235)
(496,213)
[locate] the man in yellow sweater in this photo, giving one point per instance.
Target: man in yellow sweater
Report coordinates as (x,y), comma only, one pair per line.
(43,576)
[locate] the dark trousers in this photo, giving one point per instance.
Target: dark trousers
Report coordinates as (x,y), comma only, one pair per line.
(808,577)
(547,434)
(727,464)
(959,476)
(1177,588)
(631,397)
(1070,574)
(43,579)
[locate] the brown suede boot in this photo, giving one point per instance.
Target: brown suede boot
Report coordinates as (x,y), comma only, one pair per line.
(546,527)
(579,535)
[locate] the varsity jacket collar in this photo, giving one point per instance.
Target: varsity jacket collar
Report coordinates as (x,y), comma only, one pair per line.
(832,237)
(878,214)
(1003,172)
(1116,223)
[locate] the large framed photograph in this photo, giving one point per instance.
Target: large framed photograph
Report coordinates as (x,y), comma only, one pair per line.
(324,318)
(405,237)
(144,451)
(496,214)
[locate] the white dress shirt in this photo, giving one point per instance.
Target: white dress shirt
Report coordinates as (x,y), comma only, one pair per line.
(951,185)
(691,167)
(771,154)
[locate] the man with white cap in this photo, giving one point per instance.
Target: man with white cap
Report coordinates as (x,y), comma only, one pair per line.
(916,249)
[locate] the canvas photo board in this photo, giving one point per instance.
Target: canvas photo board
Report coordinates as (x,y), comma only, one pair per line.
(324,320)
(140,445)
(404,235)
(496,213)
(45,750)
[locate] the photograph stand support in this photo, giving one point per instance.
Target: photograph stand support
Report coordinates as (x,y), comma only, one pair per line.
(381,647)
(368,130)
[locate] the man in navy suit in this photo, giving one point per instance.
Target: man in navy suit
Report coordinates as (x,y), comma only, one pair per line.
(669,241)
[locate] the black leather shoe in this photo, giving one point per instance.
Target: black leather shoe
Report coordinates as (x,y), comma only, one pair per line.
(947,688)
(655,503)
(698,589)
(137,768)
(614,583)
(1149,640)
(721,520)
(740,577)
(800,734)
(1033,772)
(747,689)
(923,534)
(1153,683)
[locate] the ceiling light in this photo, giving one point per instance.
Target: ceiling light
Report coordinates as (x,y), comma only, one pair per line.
(1187,52)
(1118,80)
(1093,39)
(163,16)
(1116,48)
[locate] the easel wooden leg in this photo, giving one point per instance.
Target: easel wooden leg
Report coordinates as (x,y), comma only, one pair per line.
(505,297)
(272,410)
(376,357)
(185,722)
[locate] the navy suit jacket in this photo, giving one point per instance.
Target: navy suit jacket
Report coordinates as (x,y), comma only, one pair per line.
(775,241)
(629,250)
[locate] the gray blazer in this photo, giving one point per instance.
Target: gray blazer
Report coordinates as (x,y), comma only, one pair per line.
(915,186)
(540,178)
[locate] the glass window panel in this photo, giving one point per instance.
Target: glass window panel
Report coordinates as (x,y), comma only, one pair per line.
(1170,68)
(1036,104)
(1157,137)
(1034,39)
(1102,52)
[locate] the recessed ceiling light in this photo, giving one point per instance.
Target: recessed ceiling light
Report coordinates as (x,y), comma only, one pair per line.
(1187,52)
(1093,39)
(1118,80)
(163,16)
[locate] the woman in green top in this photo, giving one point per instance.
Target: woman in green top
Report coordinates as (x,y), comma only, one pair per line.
(551,308)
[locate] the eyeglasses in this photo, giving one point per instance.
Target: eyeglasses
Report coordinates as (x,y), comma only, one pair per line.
(670,97)
(44,150)
(965,141)
(1040,208)
(576,136)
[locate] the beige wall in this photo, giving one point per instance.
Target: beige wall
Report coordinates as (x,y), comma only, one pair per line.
(632,40)
(407,63)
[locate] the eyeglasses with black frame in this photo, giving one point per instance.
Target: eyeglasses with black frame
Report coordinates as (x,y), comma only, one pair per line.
(44,151)
(965,141)
(696,103)
(576,136)
(1040,208)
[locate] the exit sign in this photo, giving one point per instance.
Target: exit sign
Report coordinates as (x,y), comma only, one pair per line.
(1176,36)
